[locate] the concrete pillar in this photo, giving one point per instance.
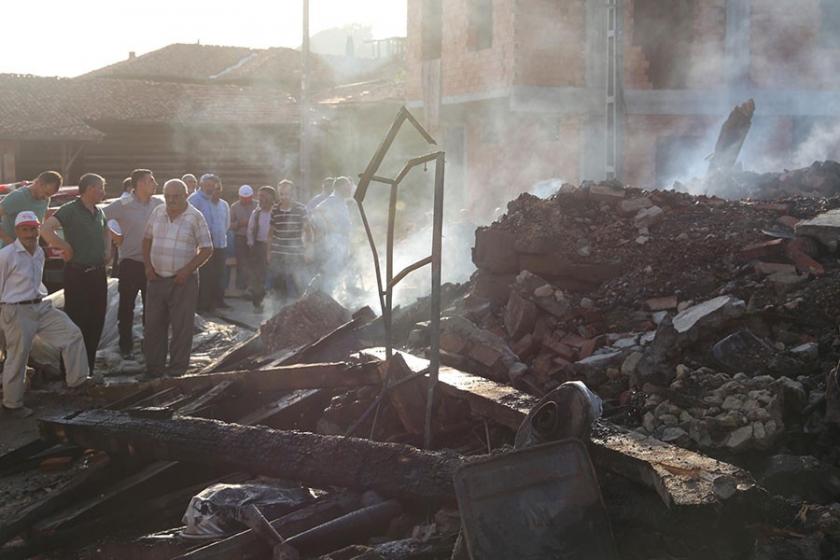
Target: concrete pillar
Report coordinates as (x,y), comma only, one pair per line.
(593,134)
(738,56)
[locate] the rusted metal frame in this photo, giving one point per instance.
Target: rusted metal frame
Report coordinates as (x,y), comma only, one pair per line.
(389,270)
(372,243)
(412,163)
(434,325)
(408,270)
(370,172)
(384,180)
(386,294)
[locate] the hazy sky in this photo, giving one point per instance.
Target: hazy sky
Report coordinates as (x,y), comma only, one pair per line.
(67,38)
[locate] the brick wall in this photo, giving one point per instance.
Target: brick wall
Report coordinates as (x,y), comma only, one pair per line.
(786,48)
(704,62)
(522,150)
(550,43)
(463,70)
(8,150)
(643,134)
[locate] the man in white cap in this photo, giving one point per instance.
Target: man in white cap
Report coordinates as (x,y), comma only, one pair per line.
(240,213)
(24,315)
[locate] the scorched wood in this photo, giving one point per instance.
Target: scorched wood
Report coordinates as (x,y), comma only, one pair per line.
(284,378)
(682,478)
(391,469)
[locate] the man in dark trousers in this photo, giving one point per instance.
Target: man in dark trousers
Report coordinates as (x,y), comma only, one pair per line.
(86,248)
(131,214)
(216,212)
(290,232)
(240,214)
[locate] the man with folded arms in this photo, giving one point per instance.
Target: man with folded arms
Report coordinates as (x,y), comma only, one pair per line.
(24,315)
(177,243)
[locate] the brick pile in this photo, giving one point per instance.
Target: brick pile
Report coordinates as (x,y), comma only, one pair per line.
(699,320)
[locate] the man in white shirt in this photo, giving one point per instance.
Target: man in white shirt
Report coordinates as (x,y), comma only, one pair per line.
(177,243)
(258,240)
(24,315)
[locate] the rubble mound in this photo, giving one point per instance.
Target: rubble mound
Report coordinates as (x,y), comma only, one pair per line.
(820,179)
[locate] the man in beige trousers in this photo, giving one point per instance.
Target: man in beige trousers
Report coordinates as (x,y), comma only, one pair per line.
(24,315)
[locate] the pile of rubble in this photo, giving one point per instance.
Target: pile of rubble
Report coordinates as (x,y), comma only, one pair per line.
(821,179)
(703,322)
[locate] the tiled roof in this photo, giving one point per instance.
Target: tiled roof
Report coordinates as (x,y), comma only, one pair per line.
(69,109)
(375,91)
(209,63)
(384,83)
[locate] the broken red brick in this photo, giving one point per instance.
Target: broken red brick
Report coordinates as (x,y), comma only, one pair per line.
(54,464)
(645,326)
(807,245)
(588,348)
(494,251)
(541,328)
(543,366)
(485,355)
(563,350)
(561,363)
(520,316)
(662,303)
(525,347)
(763,249)
(452,343)
(572,339)
(803,262)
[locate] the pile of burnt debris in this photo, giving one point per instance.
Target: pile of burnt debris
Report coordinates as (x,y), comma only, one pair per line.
(629,374)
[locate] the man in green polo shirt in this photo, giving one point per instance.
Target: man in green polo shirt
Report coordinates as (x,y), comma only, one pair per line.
(86,246)
(34,197)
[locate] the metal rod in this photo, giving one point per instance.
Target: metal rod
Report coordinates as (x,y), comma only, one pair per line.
(379,156)
(412,163)
(408,270)
(434,320)
(376,267)
(304,106)
(389,272)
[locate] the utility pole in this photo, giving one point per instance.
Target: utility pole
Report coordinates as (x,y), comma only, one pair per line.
(305,171)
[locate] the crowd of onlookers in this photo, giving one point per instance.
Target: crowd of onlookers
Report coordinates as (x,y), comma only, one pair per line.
(176,252)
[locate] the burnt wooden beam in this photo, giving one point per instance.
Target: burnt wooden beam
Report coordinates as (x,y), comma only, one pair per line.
(682,478)
(239,352)
(284,378)
(62,496)
(393,470)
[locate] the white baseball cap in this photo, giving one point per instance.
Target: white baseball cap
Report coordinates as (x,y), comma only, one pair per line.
(27,218)
(245,191)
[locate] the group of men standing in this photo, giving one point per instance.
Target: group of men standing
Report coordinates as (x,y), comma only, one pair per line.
(162,246)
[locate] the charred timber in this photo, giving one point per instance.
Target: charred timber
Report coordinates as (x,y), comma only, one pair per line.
(393,470)
(283,378)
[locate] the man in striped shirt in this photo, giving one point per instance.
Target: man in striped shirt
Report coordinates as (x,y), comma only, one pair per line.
(290,231)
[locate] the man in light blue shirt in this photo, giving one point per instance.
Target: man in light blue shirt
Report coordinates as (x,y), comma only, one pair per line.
(207,200)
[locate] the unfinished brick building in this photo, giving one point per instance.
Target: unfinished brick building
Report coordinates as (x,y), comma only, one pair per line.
(526,90)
